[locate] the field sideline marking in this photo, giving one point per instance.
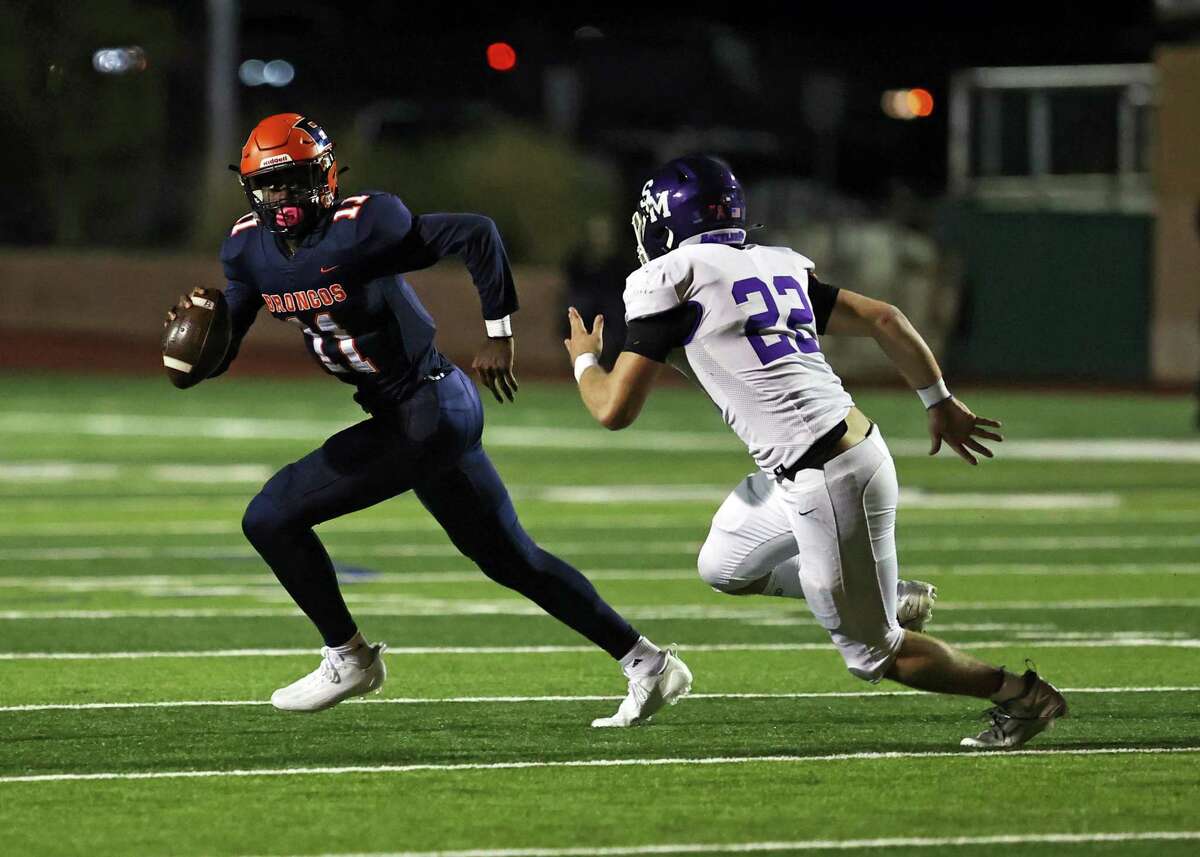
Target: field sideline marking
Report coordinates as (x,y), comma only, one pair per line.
(1099,642)
(803,845)
(597,546)
(507,700)
(365,604)
(542,437)
(160,582)
(591,763)
(598,520)
(231,523)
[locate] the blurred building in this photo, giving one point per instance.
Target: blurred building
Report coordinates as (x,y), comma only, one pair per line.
(1035,215)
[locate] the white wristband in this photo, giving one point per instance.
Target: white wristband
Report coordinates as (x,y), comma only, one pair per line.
(582,363)
(934,394)
(500,328)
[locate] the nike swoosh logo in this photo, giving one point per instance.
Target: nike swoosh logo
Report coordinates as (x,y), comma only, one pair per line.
(325,270)
(809,512)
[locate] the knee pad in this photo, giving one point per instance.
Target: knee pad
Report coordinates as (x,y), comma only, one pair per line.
(714,568)
(262,520)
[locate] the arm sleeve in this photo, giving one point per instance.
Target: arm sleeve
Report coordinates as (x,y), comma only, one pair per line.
(244,303)
(822,296)
(476,240)
(655,336)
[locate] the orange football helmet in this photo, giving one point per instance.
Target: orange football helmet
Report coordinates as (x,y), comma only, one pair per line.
(289,173)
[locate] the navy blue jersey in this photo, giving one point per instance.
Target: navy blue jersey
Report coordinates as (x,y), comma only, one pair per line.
(343,288)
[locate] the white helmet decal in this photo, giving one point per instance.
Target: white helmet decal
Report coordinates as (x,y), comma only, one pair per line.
(654,207)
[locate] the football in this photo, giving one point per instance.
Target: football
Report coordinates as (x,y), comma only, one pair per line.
(195,341)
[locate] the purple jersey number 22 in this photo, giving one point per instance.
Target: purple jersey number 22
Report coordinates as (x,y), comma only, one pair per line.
(769,352)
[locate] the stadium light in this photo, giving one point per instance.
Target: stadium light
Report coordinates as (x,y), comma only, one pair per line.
(119,60)
(250,73)
(279,73)
(501,56)
(273,73)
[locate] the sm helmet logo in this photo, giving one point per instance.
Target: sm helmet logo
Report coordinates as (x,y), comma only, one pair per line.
(654,206)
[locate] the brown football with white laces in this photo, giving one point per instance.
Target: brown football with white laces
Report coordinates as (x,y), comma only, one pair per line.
(195,341)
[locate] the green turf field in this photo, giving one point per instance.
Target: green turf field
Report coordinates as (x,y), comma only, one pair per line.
(140,638)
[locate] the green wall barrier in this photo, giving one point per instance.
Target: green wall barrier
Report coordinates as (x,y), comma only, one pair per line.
(1051,295)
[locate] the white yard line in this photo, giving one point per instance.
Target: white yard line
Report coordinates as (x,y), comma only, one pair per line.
(590,763)
(57,471)
(244,551)
(163,584)
(879,843)
(65,471)
(547,437)
(909,498)
(603,546)
(368,606)
(365,604)
(579,520)
(231,525)
(508,700)
(1094,643)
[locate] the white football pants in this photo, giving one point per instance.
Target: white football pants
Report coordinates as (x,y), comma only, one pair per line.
(829,536)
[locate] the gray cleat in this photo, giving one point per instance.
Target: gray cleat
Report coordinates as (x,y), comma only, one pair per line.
(1014,722)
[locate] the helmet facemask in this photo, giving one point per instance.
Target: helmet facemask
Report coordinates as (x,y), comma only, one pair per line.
(289,198)
(660,235)
(654,237)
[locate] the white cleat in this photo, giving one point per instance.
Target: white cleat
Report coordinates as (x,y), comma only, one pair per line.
(648,694)
(337,678)
(1012,723)
(914,604)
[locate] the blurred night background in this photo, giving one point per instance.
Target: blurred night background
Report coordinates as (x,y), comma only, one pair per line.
(1022,178)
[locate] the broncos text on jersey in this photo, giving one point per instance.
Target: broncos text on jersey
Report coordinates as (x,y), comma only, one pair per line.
(343,287)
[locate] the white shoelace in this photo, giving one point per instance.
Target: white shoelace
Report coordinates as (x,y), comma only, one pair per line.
(327,669)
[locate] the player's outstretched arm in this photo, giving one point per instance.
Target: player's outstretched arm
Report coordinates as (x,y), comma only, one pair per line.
(950,421)
(614,398)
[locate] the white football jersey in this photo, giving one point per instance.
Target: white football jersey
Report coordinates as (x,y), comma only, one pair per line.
(755,350)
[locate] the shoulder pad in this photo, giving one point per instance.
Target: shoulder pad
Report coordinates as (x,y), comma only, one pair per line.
(376,221)
(246,221)
(657,286)
(804,261)
(350,207)
(800,259)
(235,242)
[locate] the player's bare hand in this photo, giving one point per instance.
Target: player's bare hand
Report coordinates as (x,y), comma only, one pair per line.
(582,340)
(494,365)
(183,303)
(953,422)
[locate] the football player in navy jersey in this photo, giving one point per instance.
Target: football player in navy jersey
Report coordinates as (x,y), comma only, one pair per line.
(332,266)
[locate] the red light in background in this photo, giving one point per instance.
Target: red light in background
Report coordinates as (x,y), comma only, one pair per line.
(907,103)
(921,101)
(501,56)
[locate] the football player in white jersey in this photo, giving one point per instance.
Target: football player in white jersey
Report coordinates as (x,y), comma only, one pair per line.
(818,520)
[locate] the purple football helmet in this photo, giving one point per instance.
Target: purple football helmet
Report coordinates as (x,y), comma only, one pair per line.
(694,197)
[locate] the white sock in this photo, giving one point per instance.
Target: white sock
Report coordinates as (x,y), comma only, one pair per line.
(356,650)
(643,659)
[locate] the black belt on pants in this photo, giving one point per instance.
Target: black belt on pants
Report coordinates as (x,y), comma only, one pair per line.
(816,456)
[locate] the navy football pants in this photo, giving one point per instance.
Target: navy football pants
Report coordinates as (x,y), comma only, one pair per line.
(431,444)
